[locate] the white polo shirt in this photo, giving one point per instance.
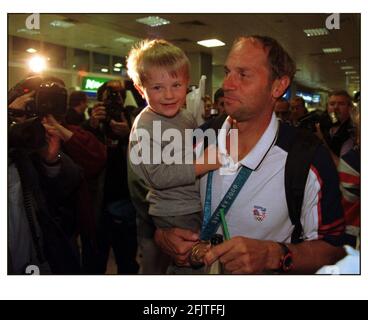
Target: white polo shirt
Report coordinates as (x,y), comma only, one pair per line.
(260,210)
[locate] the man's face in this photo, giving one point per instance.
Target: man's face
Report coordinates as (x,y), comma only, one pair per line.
(247,84)
(341,106)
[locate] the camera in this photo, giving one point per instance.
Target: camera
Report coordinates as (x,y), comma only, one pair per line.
(114,104)
(112,94)
(50,97)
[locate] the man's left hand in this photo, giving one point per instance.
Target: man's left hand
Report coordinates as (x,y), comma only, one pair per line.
(241,255)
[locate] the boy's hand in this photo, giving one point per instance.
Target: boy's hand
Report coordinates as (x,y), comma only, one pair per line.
(208,161)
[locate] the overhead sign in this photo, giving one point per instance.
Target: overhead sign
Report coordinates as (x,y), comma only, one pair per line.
(91,84)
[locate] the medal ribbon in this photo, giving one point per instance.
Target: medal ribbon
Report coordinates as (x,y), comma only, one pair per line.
(211,223)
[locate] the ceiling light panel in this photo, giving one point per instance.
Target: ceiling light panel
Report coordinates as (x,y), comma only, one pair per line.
(126,40)
(153,21)
(28,31)
(331,50)
(31,50)
(91,45)
(210,43)
(61,24)
(316,32)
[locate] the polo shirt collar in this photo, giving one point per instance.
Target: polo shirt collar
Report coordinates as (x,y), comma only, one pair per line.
(254,158)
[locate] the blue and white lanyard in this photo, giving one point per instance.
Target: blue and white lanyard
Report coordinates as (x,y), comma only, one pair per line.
(211,223)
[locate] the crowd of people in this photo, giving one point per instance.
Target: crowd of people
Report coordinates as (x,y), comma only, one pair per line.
(284,195)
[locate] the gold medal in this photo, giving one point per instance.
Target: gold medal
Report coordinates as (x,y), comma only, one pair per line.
(199,250)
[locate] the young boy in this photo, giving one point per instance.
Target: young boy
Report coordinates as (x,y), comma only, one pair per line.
(160,72)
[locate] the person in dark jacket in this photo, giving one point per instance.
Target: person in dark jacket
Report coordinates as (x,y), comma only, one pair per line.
(84,150)
(110,121)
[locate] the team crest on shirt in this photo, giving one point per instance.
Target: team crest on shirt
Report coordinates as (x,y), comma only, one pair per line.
(259,213)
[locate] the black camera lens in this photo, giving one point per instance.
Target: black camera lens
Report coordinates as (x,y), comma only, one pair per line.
(51,98)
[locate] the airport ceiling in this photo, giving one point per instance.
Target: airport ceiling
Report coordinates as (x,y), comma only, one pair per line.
(315,69)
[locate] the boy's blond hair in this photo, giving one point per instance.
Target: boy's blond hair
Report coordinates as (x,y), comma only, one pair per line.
(155,53)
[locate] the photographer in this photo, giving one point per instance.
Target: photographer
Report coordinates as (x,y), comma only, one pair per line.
(36,120)
(45,102)
(108,118)
(110,121)
(42,185)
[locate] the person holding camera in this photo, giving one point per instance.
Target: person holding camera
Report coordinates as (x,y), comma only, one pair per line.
(37,128)
(110,121)
(42,184)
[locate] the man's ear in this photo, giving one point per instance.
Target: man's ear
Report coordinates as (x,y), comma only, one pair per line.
(279,86)
(139,89)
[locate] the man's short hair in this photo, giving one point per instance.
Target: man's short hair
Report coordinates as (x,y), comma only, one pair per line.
(281,64)
(343,93)
(76,97)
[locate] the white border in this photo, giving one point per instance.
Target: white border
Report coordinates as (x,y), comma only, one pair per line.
(184,287)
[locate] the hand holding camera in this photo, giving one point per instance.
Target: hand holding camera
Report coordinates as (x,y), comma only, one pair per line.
(120,128)
(54,128)
(98,115)
(21,102)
